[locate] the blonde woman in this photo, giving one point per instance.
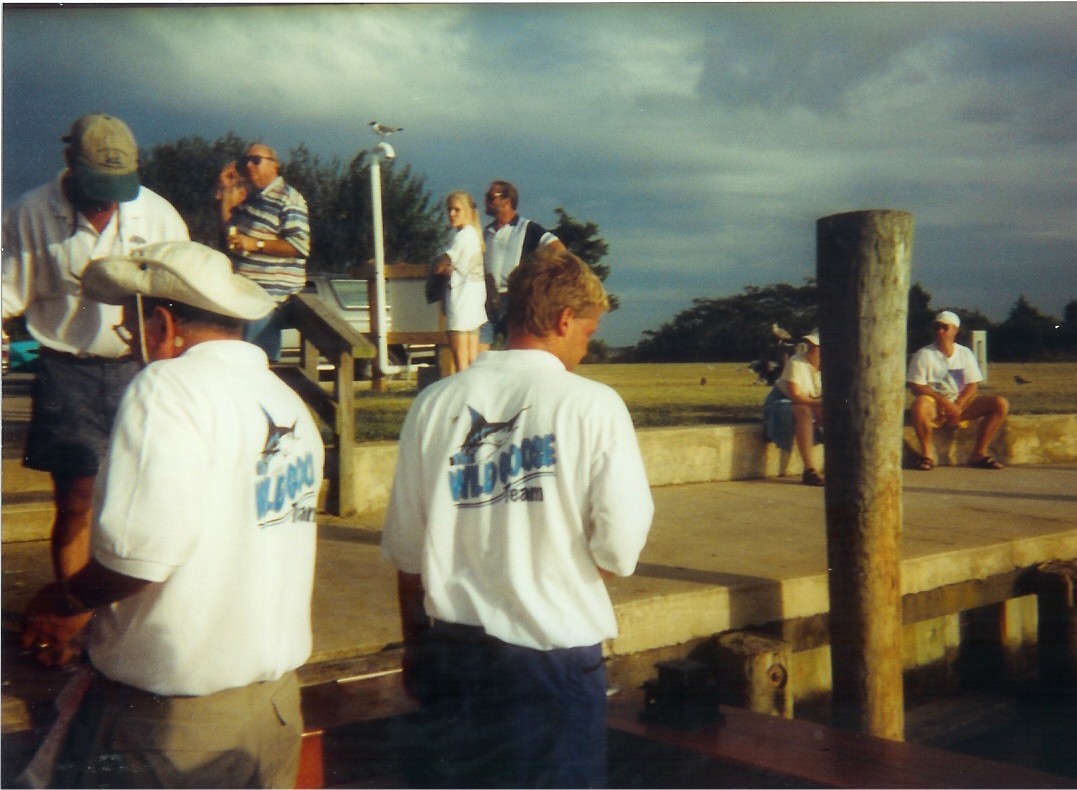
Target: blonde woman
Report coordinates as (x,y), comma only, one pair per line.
(464,303)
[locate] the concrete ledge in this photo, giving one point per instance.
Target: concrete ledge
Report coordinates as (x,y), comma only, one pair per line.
(1023,439)
(673,456)
(716,453)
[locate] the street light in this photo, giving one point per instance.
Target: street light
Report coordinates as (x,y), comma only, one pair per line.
(378,322)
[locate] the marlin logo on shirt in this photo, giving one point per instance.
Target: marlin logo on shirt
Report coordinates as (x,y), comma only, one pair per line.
(276,437)
(503,472)
(285,490)
(485,432)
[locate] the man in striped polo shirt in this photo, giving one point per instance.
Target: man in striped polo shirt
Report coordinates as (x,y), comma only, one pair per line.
(267,234)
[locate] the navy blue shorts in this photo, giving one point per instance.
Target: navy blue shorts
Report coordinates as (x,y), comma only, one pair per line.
(74,405)
(501,715)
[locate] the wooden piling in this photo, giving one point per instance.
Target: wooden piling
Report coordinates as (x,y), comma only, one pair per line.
(862,269)
(1056,586)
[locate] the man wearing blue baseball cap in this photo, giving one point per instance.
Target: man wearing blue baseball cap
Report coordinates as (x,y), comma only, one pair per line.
(95,208)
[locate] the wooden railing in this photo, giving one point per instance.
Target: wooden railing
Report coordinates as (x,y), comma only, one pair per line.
(323,333)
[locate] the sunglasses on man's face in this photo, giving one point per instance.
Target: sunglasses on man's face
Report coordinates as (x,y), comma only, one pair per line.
(256,159)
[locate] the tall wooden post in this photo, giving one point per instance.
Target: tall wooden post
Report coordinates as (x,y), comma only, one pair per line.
(862,268)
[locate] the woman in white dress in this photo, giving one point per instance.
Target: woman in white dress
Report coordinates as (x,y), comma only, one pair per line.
(464,303)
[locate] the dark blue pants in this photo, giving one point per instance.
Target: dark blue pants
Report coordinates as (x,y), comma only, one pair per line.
(500,715)
(265,332)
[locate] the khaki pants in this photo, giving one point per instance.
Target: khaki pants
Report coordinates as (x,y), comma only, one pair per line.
(243,737)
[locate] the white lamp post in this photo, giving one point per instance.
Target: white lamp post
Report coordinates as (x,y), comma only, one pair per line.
(377,320)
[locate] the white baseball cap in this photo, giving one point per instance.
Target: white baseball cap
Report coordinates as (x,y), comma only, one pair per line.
(947,317)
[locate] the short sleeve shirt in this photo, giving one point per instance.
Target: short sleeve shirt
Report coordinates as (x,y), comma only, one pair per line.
(798,370)
(946,375)
(508,245)
(515,481)
(277,212)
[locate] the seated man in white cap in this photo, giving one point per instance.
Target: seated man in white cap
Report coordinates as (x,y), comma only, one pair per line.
(944,379)
(794,408)
(203,543)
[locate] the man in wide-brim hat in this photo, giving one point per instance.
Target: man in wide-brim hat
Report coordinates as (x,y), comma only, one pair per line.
(203,543)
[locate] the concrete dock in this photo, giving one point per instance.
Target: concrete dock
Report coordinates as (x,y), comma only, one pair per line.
(723,554)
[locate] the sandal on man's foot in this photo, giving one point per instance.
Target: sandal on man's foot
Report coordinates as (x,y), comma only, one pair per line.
(987,462)
(812,478)
(924,463)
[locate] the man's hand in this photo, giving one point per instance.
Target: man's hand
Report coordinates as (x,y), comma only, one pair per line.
(231,189)
(52,623)
(953,412)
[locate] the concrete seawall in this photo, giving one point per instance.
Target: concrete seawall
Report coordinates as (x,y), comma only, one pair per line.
(673,456)
(718,453)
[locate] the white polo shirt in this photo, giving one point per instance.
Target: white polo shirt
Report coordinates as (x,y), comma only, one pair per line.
(46,247)
(505,246)
(210,491)
(515,481)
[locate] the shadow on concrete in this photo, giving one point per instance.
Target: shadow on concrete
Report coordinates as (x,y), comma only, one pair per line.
(752,599)
(993,494)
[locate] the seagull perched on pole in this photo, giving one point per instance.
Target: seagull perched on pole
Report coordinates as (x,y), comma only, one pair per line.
(383,129)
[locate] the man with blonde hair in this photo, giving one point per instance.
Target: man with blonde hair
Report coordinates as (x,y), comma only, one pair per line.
(519,488)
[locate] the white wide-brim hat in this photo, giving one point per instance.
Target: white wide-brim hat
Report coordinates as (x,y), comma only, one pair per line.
(178,271)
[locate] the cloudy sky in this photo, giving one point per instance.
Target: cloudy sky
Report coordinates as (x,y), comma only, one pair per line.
(704,139)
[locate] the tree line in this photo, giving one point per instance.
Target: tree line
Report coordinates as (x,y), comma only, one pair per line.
(739,328)
(730,328)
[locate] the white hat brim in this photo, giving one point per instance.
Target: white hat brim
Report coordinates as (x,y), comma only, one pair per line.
(186,272)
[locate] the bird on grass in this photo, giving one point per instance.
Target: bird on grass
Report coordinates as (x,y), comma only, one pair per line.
(384,130)
(1020,380)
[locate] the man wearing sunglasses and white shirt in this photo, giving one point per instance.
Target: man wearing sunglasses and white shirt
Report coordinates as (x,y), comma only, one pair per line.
(267,235)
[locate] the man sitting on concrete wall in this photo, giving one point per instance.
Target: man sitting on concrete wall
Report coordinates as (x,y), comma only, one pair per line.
(944,378)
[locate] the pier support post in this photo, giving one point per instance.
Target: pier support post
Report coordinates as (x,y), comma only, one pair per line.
(862,269)
(754,673)
(1056,587)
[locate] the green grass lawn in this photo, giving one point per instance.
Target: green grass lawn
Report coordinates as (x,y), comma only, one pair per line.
(698,393)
